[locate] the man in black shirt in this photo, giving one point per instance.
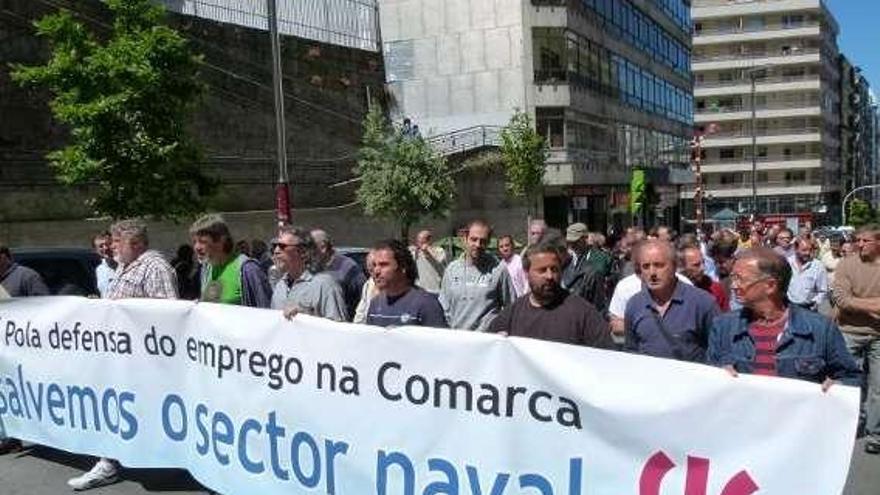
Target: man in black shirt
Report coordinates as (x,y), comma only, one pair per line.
(399,302)
(549,312)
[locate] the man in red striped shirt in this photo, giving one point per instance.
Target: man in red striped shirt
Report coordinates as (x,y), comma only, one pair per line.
(771,337)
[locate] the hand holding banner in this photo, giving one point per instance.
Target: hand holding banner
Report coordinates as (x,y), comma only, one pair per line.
(252,403)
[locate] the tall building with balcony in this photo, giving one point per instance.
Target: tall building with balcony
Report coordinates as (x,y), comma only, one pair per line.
(856,130)
(607,82)
(767,82)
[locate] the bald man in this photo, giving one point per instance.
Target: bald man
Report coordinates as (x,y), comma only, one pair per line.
(667,318)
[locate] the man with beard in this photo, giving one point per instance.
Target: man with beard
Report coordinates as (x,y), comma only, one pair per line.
(549,312)
(667,319)
(399,302)
(809,278)
(304,287)
(476,286)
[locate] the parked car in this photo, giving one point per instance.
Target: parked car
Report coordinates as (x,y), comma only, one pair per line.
(66,271)
(358,255)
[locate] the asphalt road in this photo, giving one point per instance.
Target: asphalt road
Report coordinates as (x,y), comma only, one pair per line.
(44,471)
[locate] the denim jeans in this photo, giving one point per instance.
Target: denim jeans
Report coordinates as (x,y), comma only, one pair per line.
(866,351)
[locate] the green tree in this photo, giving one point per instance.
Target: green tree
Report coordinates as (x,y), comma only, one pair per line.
(126,98)
(403,179)
(860,213)
(524,154)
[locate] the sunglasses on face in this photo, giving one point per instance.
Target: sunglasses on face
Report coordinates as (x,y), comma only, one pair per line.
(283,246)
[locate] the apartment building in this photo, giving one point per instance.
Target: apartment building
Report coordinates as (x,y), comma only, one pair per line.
(607,82)
(767,82)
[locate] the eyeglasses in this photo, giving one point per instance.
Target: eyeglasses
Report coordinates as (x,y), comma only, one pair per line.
(283,246)
(742,284)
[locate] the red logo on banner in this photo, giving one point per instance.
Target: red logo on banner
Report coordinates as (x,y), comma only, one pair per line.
(697,480)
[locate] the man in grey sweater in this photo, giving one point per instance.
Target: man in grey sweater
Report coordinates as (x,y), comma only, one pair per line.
(476,286)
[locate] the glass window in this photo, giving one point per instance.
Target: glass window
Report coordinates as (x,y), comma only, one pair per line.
(549,55)
(637,93)
(550,124)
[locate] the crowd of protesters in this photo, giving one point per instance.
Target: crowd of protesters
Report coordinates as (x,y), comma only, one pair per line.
(766,301)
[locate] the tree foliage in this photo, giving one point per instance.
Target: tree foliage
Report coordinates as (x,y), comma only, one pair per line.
(126,98)
(860,213)
(524,153)
(403,179)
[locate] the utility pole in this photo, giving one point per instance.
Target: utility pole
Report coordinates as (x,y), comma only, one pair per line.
(753,76)
(282,191)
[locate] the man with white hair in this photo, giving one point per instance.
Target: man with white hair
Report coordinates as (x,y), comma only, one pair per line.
(141,273)
(343,269)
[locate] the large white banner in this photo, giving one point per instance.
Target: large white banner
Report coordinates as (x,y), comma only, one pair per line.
(251,403)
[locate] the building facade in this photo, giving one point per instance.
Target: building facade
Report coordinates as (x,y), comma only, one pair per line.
(607,83)
(767,91)
(857,134)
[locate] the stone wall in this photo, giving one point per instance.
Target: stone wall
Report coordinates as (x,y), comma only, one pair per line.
(480,195)
(326,89)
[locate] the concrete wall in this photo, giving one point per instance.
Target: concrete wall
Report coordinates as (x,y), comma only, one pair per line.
(456,63)
(326,97)
(481,194)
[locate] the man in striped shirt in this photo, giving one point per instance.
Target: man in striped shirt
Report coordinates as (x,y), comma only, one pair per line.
(769,336)
(140,273)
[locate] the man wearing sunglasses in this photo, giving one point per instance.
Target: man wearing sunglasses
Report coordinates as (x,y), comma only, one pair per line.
(771,337)
(305,287)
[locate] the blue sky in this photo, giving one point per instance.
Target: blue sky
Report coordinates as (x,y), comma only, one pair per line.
(859,37)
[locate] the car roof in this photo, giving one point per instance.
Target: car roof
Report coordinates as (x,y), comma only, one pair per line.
(54,251)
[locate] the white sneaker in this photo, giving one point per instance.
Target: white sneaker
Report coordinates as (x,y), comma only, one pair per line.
(105,472)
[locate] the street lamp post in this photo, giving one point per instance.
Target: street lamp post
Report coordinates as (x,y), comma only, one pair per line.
(848,195)
(282,191)
(753,76)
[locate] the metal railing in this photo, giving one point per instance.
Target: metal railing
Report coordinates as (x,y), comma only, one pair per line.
(350,23)
(715,3)
(776,105)
(470,138)
(747,184)
(751,55)
(764,132)
(753,29)
(709,161)
(758,81)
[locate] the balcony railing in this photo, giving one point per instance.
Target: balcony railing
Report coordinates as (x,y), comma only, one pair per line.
(758,81)
(764,132)
(752,29)
(748,185)
(746,56)
(776,105)
(761,159)
(715,3)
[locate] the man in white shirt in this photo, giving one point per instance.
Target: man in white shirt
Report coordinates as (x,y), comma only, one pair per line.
(513,262)
(103,245)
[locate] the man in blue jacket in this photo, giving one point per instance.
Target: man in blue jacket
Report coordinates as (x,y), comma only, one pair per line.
(771,337)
